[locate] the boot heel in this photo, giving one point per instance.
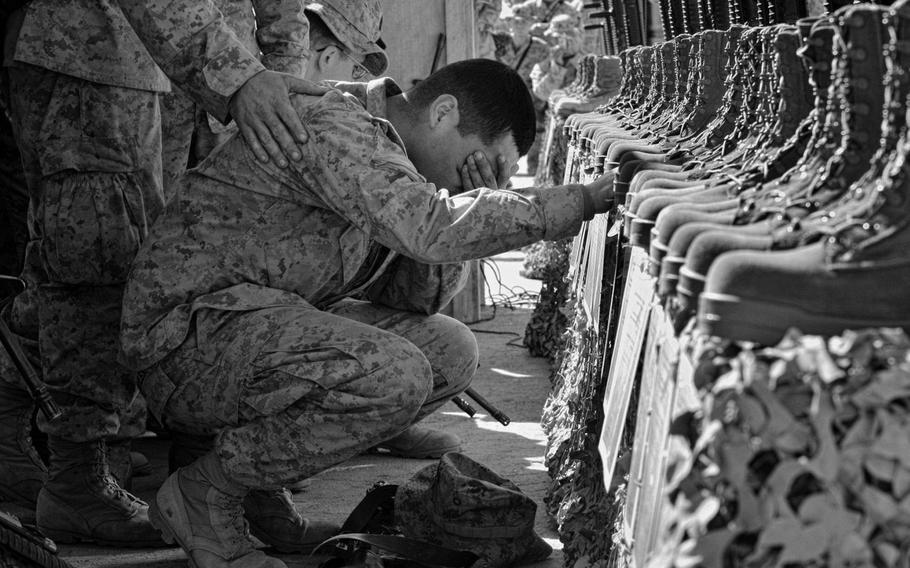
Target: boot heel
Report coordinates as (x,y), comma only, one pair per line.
(167,535)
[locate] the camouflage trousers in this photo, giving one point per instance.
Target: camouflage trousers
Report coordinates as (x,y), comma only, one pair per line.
(13,201)
(293,390)
(92,160)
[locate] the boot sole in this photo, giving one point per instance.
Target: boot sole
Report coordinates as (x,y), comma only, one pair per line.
(762,322)
(167,535)
(278,546)
(66,537)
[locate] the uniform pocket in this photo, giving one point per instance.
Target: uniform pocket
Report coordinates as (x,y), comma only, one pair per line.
(92,208)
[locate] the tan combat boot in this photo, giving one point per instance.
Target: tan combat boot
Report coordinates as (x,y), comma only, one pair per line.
(271,513)
(202,510)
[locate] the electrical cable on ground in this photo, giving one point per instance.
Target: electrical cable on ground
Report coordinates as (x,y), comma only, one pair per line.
(514,297)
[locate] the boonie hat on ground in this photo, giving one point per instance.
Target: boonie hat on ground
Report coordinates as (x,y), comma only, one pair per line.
(461,504)
(356,23)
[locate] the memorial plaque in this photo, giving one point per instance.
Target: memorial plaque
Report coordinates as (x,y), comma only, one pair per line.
(642,421)
(648,518)
(595,246)
(638,297)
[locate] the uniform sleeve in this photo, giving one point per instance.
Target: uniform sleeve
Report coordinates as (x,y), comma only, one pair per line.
(418,287)
(196,49)
(359,173)
(283,35)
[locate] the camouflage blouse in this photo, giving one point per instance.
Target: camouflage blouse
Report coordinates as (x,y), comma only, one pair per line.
(352,217)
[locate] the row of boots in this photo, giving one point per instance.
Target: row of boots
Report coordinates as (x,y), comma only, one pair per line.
(79,492)
(765,169)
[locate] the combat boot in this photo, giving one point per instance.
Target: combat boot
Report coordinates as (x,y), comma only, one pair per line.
(858,81)
(200,508)
(857,277)
(120,462)
(271,513)
(82,502)
(709,90)
(22,473)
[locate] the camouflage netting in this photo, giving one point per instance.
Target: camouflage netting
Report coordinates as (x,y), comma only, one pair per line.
(584,511)
(800,456)
(548,261)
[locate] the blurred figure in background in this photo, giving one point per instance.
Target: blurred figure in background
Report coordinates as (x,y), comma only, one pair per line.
(521,50)
(560,68)
(488,21)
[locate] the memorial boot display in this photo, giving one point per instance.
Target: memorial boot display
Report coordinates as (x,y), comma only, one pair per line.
(793,105)
(860,244)
(817,53)
(863,63)
(832,285)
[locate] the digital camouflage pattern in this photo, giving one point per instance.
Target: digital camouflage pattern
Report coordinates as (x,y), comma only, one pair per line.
(243,235)
(88,39)
(463,505)
(235,311)
(196,47)
(84,99)
(92,160)
(13,199)
(277,29)
(294,390)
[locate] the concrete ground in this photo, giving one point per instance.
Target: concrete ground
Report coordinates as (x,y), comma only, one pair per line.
(508,376)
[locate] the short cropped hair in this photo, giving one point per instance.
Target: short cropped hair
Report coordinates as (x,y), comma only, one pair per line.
(492,100)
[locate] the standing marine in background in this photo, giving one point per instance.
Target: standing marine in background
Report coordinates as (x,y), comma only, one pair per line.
(521,50)
(560,68)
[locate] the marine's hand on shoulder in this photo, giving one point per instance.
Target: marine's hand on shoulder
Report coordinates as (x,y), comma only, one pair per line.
(263,112)
(478,172)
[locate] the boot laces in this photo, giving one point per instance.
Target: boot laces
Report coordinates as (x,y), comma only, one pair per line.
(235,525)
(110,485)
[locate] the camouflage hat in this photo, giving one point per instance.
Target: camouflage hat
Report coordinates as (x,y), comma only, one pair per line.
(461,504)
(356,24)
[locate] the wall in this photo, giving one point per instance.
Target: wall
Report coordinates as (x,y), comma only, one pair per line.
(411,28)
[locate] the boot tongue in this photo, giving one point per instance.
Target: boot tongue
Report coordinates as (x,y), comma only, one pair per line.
(222,512)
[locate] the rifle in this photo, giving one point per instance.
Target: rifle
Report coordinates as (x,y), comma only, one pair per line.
(33,383)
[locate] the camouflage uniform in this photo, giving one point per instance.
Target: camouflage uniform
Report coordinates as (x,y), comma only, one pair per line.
(85,110)
(236,312)
(13,200)
(279,30)
(540,10)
